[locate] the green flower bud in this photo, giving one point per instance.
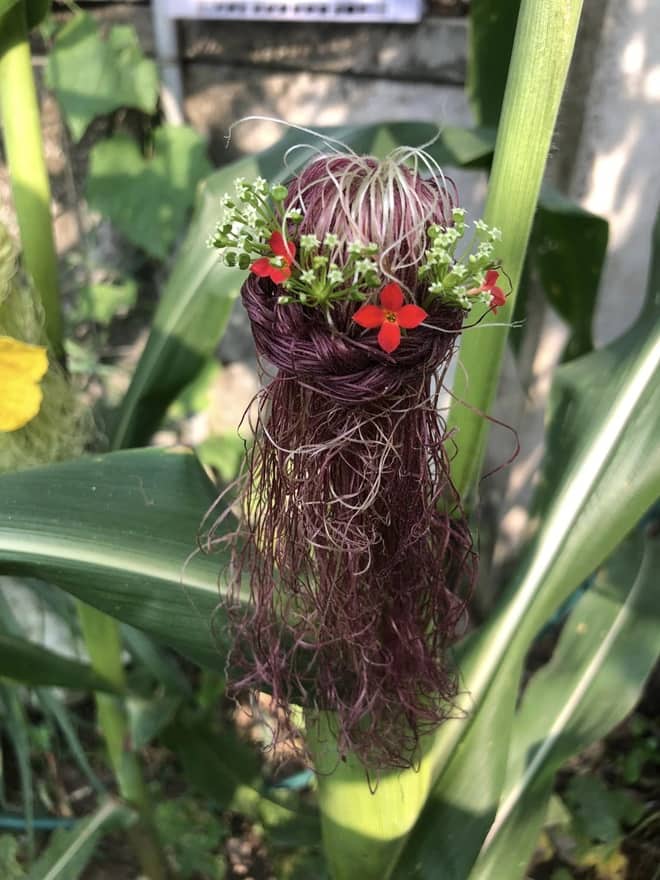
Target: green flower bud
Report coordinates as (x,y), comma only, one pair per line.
(279,192)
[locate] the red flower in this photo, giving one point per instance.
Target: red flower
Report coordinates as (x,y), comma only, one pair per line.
(497,297)
(280,248)
(390,316)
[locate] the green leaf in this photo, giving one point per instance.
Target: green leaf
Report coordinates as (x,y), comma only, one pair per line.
(223,768)
(156,660)
(193,837)
(217,765)
(147,718)
(69,852)
(92,76)
(600,812)
(35,10)
(602,474)
(50,704)
(10,867)
(118,532)
(6,5)
(492,29)
(224,453)
(568,247)
(16,727)
(148,199)
(608,646)
(33,665)
(102,302)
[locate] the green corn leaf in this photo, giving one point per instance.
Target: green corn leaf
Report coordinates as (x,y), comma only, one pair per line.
(606,652)
(117,531)
(31,664)
(602,472)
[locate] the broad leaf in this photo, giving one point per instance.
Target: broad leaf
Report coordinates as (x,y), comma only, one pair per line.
(608,647)
(102,302)
(119,532)
(148,199)
(31,664)
(92,76)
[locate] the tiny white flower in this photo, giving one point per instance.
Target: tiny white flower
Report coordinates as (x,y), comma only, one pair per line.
(364,266)
(331,240)
(458,272)
(308,242)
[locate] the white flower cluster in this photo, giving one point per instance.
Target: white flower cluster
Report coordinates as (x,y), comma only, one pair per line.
(459,280)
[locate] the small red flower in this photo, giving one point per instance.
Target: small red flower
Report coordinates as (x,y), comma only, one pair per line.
(280,248)
(497,297)
(390,316)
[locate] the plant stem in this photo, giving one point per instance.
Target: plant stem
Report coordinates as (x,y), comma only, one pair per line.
(542,51)
(103,642)
(364,829)
(364,832)
(25,159)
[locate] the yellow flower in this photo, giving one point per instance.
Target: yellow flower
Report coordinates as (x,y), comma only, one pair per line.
(22,367)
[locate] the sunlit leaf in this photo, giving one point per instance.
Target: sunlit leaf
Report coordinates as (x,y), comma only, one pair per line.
(116,73)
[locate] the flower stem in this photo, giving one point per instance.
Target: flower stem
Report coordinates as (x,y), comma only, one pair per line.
(25,159)
(103,642)
(542,52)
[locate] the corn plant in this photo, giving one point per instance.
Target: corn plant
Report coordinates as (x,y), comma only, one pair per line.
(118,531)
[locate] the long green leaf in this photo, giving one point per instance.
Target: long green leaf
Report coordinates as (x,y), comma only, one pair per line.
(69,852)
(50,703)
(31,664)
(16,727)
(597,674)
(545,36)
(117,531)
(602,474)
